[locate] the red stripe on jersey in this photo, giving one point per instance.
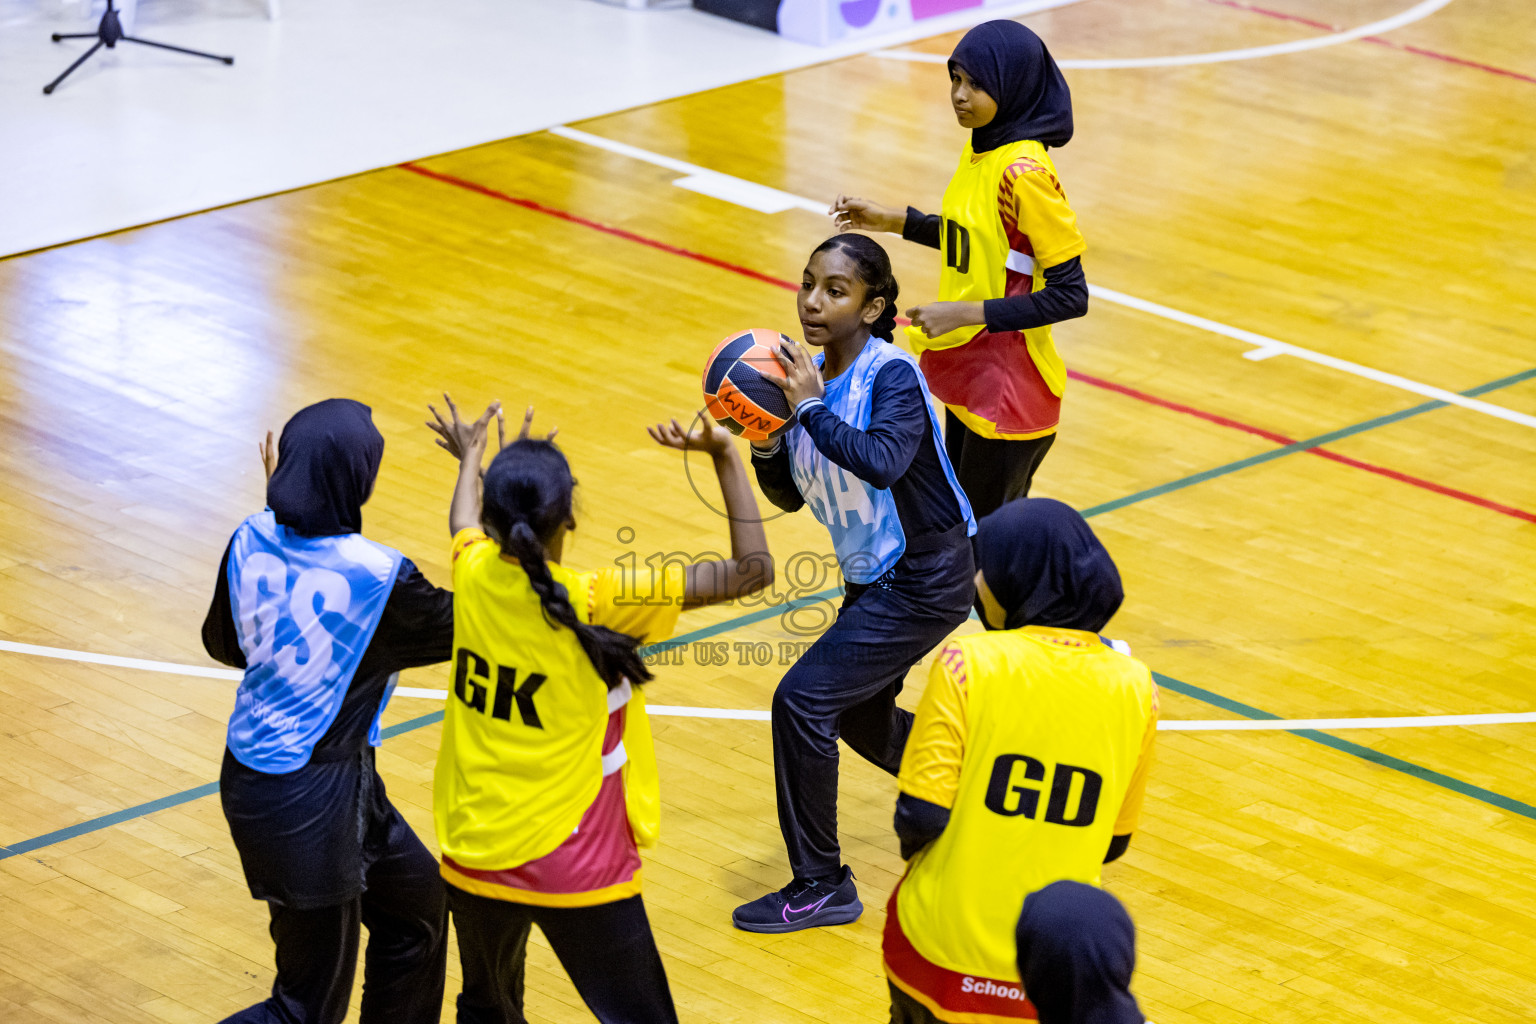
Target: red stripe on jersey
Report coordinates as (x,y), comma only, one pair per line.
(994,377)
(954,660)
(1015,283)
(951,991)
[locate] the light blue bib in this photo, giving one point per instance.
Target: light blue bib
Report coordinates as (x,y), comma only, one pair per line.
(866,531)
(305,609)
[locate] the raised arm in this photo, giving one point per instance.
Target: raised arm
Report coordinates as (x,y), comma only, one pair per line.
(750,567)
(467,442)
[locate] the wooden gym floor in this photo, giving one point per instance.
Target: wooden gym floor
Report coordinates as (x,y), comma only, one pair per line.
(1298,538)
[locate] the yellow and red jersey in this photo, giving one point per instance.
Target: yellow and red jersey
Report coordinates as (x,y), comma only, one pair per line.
(1038,740)
(546,779)
(1005,219)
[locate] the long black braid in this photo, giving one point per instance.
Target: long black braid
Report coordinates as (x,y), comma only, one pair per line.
(875,271)
(527,498)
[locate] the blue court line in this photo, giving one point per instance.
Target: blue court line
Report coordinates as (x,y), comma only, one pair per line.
(1417,771)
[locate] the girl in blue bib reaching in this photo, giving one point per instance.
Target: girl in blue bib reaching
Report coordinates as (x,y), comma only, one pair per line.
(867,457)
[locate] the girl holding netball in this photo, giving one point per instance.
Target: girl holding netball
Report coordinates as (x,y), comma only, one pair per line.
(1011,263)
(867,457)
(546,779)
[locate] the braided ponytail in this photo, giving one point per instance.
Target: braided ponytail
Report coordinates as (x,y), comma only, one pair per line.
(874,266)
(527,498)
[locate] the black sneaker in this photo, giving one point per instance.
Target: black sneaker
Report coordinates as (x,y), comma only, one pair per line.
(802,904)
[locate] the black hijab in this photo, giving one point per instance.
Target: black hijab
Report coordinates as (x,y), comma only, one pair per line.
(1012,65)
(1045,566)
(1077,950)
(327,460)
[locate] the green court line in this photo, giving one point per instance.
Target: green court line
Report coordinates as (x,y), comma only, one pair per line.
(1301,446)
(1417,771)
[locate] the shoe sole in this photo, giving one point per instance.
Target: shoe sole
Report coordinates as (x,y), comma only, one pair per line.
(841,915)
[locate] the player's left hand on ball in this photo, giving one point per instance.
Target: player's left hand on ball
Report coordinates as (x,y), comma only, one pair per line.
(938,318)
(802,379)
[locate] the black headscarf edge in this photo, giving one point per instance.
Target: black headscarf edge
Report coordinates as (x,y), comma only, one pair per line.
(1012,64)
(1045,566)
(328,460)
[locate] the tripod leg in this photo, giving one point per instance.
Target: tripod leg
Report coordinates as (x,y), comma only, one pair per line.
(48,89)
(74,35)
(178,49)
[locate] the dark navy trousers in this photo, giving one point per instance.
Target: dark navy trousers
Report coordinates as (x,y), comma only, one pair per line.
(846,684)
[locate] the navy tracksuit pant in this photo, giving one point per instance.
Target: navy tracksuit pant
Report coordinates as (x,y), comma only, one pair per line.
(846,684)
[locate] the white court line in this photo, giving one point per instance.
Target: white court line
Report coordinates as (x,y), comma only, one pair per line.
(768,200)
(1340,724)
(417,691)
(701,179)
(1415,13)
(739,714)
(1268,347)
(169,667)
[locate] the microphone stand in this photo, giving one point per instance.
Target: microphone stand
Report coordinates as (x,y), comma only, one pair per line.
(109,33)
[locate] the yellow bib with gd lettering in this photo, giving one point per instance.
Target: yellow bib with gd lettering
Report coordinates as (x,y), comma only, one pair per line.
(1054,727)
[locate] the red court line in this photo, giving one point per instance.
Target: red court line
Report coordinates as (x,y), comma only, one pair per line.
(607,229)
(1379,40)
(1188,410)
(1098,382)
(1391,474)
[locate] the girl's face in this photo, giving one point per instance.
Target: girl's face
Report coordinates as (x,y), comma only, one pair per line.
(832,299)
(973,107)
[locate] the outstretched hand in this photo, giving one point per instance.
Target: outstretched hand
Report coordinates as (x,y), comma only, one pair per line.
(850,213)
(467,441)
(709,436)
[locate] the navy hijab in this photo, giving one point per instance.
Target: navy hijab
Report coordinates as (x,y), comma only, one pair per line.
(1077,951)
(1012,65)
(327,460)
(1045,566)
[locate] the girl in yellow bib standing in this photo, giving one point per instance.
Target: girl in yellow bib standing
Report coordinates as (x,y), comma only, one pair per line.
(1011,264)
(546,780)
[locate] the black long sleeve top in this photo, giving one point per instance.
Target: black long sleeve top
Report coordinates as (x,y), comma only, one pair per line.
(1064,297)
(416,629)
(897,453)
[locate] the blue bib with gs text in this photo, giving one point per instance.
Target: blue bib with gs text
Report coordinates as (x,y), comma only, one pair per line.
(305,610)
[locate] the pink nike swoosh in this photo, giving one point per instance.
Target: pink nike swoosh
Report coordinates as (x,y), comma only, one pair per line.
(808,908)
